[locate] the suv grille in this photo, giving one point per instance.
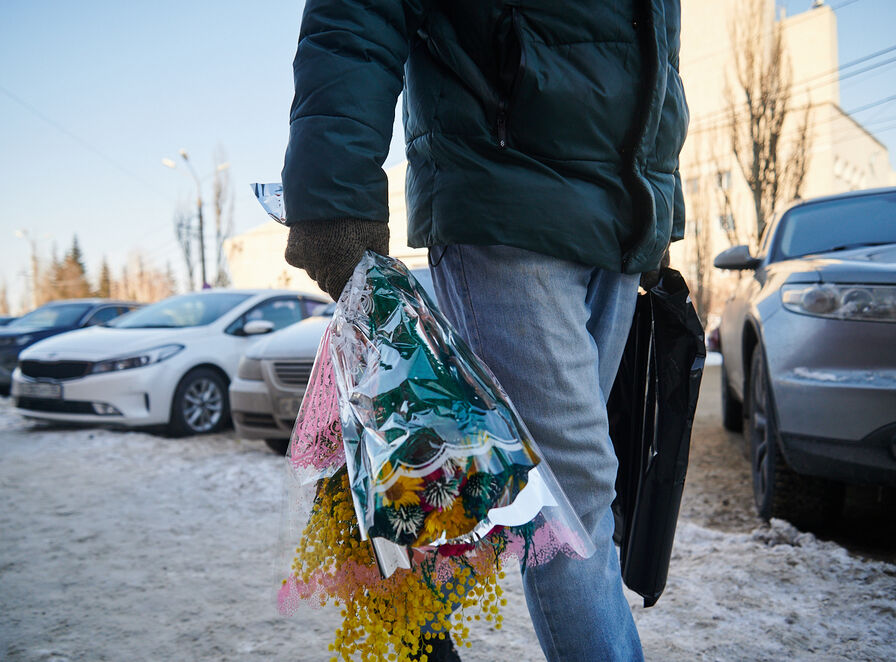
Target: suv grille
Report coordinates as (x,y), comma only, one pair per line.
(55,369)
(293,373)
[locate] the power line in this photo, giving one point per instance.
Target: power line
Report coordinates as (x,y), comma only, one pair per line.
(806,85)
(84,143)
(796,18)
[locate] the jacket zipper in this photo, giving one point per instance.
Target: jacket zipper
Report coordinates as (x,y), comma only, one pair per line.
(505,102)
(502,124)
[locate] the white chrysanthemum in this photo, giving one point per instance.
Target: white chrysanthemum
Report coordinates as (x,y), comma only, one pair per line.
(441,492)
(479,485)
(405,519)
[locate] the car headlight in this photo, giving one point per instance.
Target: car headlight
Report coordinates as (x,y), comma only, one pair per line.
(24,340)
(249,369)
(850,302)
(154,355)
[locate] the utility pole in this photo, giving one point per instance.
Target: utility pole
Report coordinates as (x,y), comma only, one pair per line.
(168,163)
(186,158)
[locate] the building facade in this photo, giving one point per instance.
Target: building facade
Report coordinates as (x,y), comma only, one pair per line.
(841,156)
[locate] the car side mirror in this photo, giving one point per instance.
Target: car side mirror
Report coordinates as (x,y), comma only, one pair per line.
(258,327)
(736,257)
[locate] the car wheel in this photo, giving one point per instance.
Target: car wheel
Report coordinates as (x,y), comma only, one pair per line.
(200,404)
(732,410)
(779,491)
(279,446)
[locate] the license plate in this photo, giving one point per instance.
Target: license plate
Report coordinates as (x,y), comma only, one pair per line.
(48,390)
(289,407)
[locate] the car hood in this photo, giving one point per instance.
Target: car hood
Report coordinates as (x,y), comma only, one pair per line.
(869,265)
(298,341)
(99,343)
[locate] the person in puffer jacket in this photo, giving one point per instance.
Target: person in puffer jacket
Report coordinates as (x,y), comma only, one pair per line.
(542,141)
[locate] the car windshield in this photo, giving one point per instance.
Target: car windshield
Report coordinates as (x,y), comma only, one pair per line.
(835,225)
(51,316)
(181,311)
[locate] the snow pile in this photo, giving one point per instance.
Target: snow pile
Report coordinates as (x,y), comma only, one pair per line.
(771,594)
(124,545)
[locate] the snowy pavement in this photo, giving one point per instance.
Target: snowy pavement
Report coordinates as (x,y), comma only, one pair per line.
(128,546)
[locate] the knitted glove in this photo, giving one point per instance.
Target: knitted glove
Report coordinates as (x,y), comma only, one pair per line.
(650,279)
(330,250)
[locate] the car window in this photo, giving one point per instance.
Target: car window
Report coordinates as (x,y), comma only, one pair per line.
(281,312)
(865,220)
(312,307)
(196,309)
(51,316)
(103,315)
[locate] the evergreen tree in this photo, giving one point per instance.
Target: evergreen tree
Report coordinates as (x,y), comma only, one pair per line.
(104,285)
(70,274)
(75,255)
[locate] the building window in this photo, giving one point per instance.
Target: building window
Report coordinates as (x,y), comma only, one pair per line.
(726,222)
(723,179)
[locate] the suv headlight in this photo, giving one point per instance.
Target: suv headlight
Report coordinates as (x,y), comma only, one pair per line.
(850,302)
(23,340)
(249,369)
(154,355)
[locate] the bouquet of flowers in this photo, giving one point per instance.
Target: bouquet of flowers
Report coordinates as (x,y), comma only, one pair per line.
(412,479)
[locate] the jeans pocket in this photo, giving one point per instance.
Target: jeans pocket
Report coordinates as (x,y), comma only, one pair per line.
(436,253)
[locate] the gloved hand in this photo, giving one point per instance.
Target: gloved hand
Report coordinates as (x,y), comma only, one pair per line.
(330,250)
(649,279)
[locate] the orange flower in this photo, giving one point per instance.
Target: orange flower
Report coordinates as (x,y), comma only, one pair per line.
(452,522)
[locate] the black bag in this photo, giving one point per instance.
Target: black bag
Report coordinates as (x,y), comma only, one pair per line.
(651,411)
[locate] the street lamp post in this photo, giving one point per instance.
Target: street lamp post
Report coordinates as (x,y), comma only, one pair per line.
(168,163)
(171,164)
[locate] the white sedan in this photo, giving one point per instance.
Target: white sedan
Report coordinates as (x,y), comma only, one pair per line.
(166,364)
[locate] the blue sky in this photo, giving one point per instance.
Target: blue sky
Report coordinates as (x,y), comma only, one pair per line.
(93,94)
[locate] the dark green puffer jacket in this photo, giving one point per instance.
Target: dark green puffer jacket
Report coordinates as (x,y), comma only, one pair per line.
(547,125)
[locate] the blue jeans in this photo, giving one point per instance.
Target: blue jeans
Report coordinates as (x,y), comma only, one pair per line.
(553,333)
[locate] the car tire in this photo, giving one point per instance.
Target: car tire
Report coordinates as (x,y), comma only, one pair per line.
(279,446)
(805,501)
(200,404)
(732,409)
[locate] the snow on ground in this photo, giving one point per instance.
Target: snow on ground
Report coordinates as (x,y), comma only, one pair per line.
(128,546)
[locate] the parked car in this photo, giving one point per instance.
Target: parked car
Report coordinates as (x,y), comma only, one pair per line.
(272,376)
(50,320)
(808,343)
(167,364)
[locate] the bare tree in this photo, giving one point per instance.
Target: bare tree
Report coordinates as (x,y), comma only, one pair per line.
(4,299)
(188,224)
(222,198)
(183,229)
(758,103)
(141,282)
(700,226)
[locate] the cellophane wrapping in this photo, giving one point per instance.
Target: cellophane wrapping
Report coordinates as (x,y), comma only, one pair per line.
(411,478)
